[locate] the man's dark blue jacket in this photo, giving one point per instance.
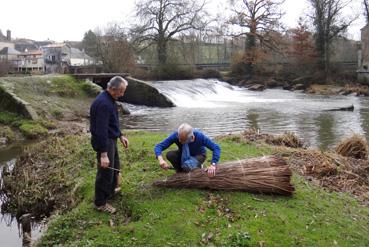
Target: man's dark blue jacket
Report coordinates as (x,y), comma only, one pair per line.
(104,121)
(196,147)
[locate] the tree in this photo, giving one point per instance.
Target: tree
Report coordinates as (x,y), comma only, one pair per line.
(329,24)
(90,44)
(259,21)
(366,10)
(303,50)
(162,20)
(114,50)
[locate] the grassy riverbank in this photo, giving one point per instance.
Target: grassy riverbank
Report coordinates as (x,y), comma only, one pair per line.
(52,99)
(150,216)
(50,96)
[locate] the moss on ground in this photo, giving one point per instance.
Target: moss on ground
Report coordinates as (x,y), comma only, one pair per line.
(150,216)
(32,130)
(28,128)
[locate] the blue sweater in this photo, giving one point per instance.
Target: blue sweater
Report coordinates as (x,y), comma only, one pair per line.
(196,147)
(104,121)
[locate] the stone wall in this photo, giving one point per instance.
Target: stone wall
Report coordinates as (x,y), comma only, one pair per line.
(12,103)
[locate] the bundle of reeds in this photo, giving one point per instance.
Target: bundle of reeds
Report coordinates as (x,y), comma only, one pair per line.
(287,139)
(269,175)
(354,147)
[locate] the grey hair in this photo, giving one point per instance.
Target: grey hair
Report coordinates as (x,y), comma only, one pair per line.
(185,128)
(116,81)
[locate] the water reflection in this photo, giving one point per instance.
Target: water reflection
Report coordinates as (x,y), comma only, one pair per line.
(325,123)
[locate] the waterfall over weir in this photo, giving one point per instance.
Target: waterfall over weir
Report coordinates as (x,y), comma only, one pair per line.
(201,93)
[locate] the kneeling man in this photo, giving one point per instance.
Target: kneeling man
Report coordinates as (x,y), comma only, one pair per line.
(191,151)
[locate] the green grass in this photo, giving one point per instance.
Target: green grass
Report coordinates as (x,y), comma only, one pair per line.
(9,118)
(29,128)
(150,216)
(32,130)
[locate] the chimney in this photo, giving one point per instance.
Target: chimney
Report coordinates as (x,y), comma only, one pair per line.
(8,35)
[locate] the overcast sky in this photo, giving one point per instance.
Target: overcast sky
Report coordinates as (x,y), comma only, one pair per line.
(70,19)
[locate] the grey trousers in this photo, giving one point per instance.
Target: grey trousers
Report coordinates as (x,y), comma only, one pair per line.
(106,179)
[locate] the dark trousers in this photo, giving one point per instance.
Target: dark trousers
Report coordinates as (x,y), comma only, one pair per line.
(174,158)
(106,178)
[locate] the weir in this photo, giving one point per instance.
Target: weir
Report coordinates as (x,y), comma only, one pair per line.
(138,92)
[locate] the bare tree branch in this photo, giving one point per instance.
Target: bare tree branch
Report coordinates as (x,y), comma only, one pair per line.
(164,19)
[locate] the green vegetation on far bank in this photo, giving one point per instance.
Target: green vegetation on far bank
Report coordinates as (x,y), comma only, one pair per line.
(150,216)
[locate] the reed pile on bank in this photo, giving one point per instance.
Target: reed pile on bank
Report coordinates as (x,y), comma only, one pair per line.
(287,139)
(333,171)
(45,177)
(354,147)
(270,175)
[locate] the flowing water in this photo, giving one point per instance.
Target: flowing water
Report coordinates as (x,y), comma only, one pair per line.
(219,108)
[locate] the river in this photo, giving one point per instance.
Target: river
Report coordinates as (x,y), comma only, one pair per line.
(219,108)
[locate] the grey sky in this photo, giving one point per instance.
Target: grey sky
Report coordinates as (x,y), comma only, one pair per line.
(69,19)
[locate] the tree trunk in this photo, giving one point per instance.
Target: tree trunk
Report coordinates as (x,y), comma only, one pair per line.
(250,45)
(162,51)
(327,62)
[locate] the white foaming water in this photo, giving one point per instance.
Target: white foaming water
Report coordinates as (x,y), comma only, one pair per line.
(201,93)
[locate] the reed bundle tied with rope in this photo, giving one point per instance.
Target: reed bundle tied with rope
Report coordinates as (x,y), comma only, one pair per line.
(269,175)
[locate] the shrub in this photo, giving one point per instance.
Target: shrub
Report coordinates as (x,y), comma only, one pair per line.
(209,74)
(58,114)
(90,88)
(172,72)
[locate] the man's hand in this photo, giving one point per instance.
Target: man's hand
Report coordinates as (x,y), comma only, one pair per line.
(104,160)
(124,141)
(163,164)
(211,170)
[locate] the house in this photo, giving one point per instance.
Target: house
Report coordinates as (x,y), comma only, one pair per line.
(363,57)
(6,41)
(31,62)
(56,58)
(79,58)
(62,58)
(9,56)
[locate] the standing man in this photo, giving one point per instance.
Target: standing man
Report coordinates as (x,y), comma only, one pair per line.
(191,151)
(104,127)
